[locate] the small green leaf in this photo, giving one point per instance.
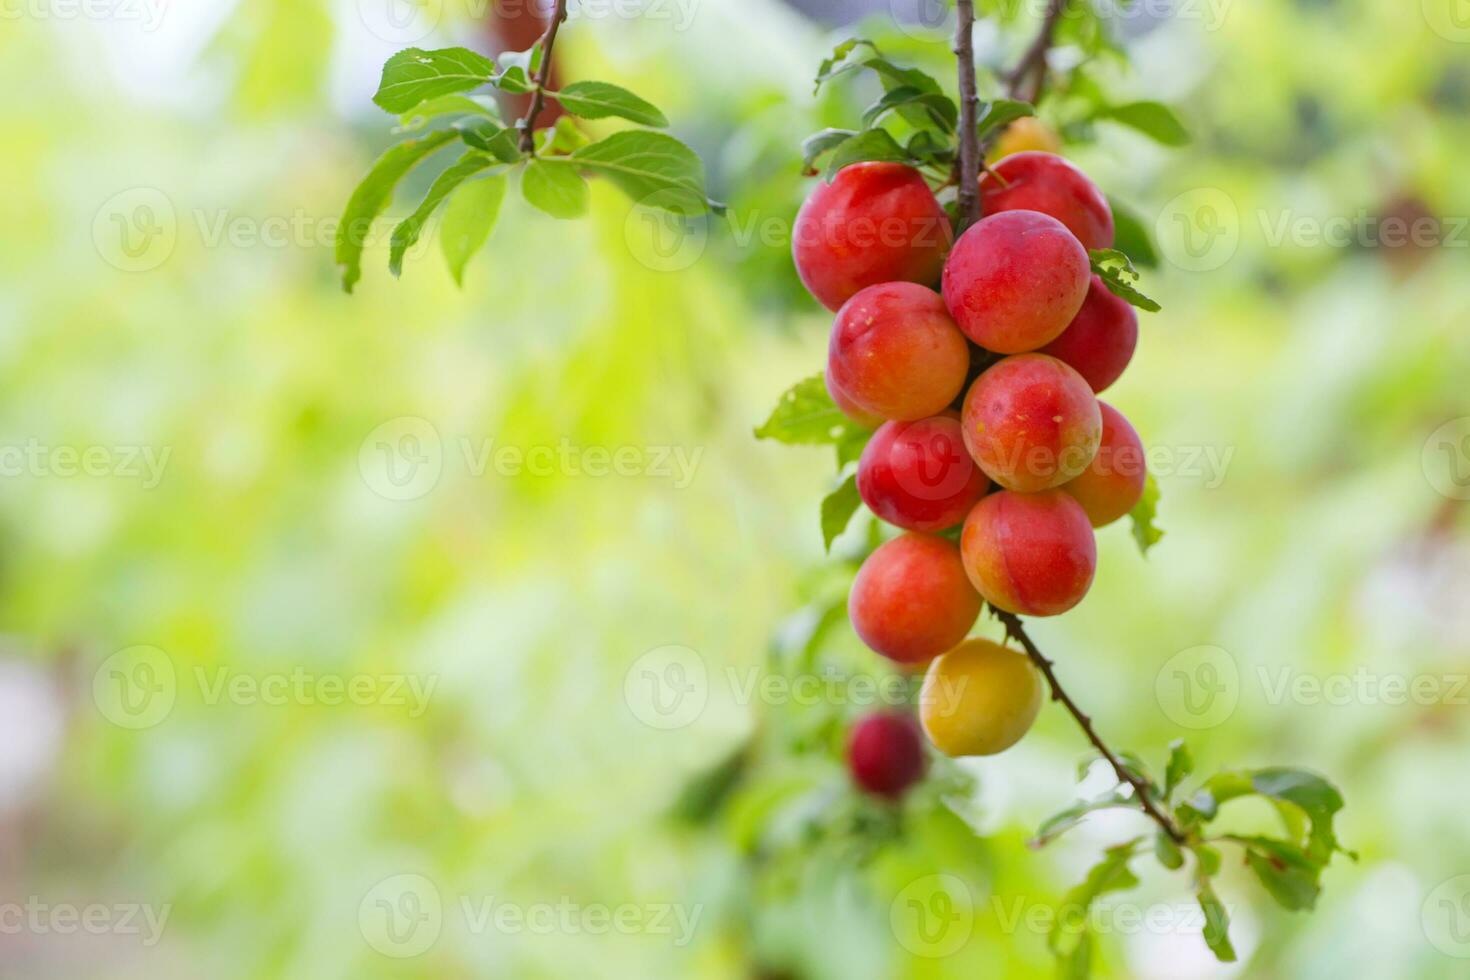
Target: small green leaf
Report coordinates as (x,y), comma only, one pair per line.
(837,510)
(519,68)
(413,76)
(1153,119)
(492,138)
(653,169)
(1077,965)
(1285,871)
(807,416)
(1315,796)
(850,447)
(1217,924)
(1181,764)
(814,146)
(836,64)
(1144,514)
(1131,237)
(875,144)
(450,105)
(1119,275)
(371,197)
(1168,852)
(939,108)
(1209,860)
(564,137)
(406,235)
(468,220)
(555,188)
(1062,821)
(599,100)
(1111,874)
(1001,113)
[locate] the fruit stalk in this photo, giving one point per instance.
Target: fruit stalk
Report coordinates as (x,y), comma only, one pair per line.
(543,76)
(968,199)
(1017,631)
(1026,82)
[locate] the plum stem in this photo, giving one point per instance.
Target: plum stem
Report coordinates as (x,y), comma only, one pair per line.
(1017,631)
(543,76)
(968,175)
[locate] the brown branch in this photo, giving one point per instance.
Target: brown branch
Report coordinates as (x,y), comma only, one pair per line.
(1027,80)
(968,165)
(1016,631)
(538,100)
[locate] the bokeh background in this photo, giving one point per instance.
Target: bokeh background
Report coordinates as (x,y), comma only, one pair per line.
(336,645)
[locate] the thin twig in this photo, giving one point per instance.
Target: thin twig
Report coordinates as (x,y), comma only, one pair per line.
(1028,78)
(538,100)
(1016,631)
(968,168)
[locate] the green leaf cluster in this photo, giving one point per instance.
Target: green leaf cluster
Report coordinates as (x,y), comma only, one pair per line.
(427,87)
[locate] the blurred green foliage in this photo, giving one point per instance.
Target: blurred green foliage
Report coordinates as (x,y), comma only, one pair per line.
(196,317)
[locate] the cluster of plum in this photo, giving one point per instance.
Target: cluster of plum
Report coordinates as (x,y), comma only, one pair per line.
(983,395)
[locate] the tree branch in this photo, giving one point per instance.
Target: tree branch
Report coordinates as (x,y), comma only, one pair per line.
(1027,80)
(538,100)
(1016,631)
(968,166)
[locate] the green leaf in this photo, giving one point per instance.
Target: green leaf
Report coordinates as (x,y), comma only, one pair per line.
(1209,860)
(492,138)
(371,197)
(1285,870)
(1315,796)
(555,188)
(1144,514)
(1168,852)
(1131,237)
(1077,965)
(565,137)
(451,105)
(835,64)
(814,146)
(413,76)
(1217,924)
(939,109)
(599,100)
(519,67)
(893,77)
(1181,764)
(807,416)
(1111,874)
(468,220)
(875,144)
(1153,119)
(1119,275)
(1001,113)
(1064,820)
(406,235)
(653,169)
(837,510)
(850,447)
